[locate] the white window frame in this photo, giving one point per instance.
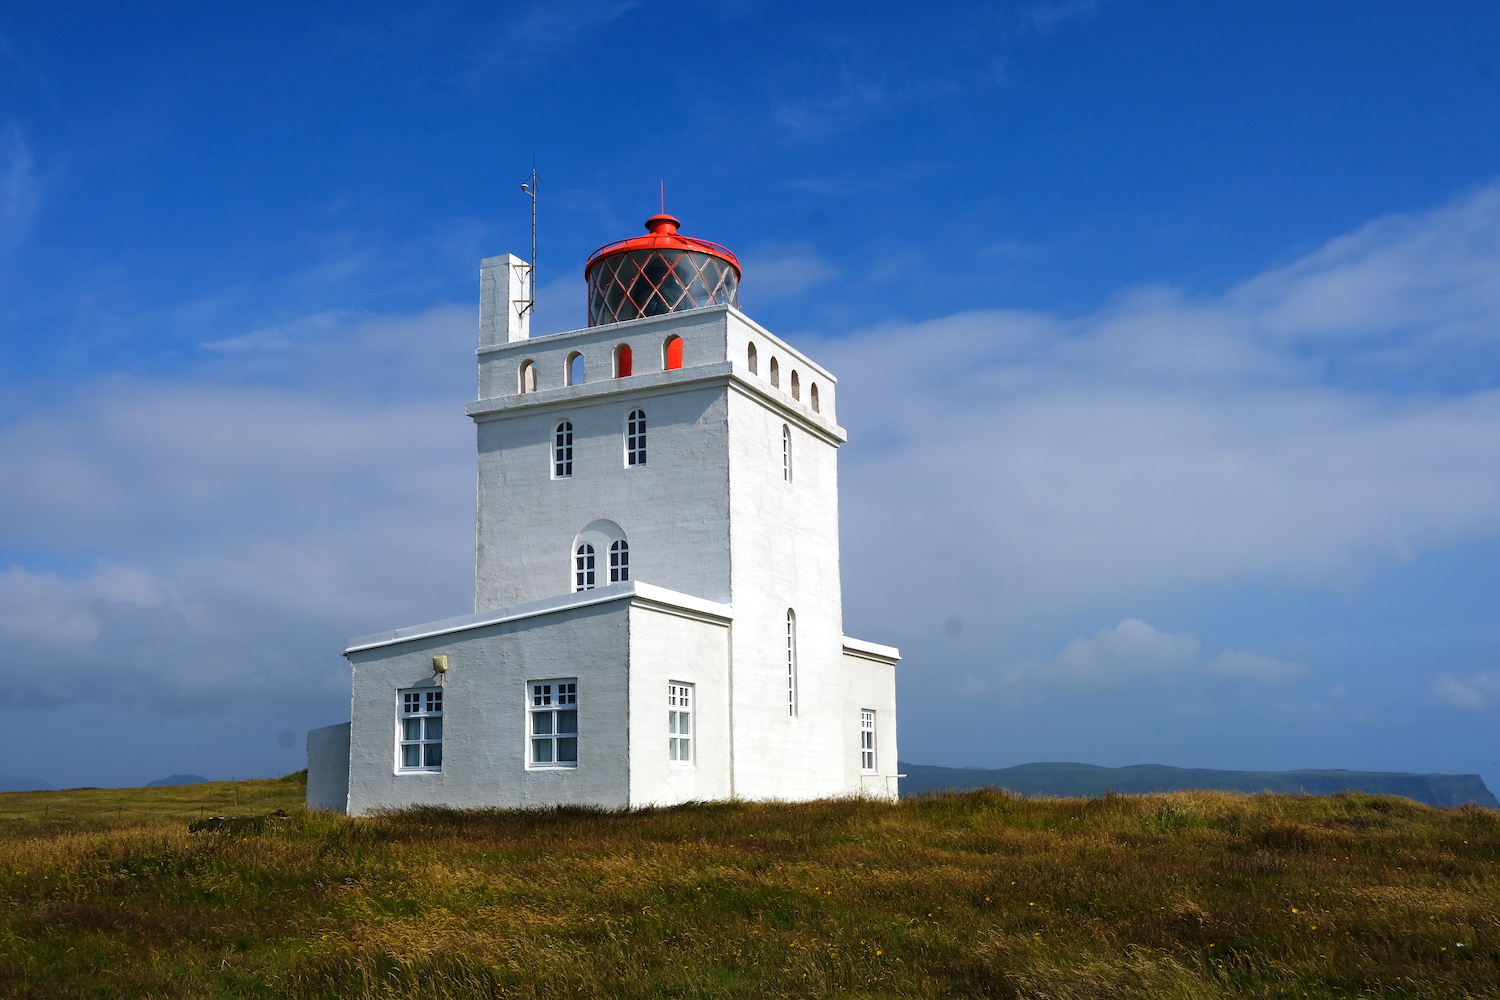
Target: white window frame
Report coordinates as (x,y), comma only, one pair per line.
(867,741)
(552,705)
(680,734)
(562,450)
(619,561)
(791,663)
(635,438)
(585,573)
(419,728)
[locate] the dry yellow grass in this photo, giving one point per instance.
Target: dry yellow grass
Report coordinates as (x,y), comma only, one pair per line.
(1189,895)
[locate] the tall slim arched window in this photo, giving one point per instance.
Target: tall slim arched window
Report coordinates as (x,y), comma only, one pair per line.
(786,453)
(791,663)
(622,361)
(562,451)
(672,353)
(812,394)
(775,373)
(619,561)
(796,385)
(752,359)
(635,438)
(573,372)
(528,376)
(583,568)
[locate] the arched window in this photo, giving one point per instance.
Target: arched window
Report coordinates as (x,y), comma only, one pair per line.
(573,374)
(786,453)
(562,451)
(775,373)
(528,376)
(796,385)
(753,360)
(672,351)
(583,568)
(619,561)
(622,361)
(635,438)
(812,393)
(791,663)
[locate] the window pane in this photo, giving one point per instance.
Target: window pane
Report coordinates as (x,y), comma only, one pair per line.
(671,749)
(541,723)
(682,724)
(567,750)
(672,723)
(434,729)
(411,755)
(411,729)
(684,754)
(434,754)
(567,722)
(541,751)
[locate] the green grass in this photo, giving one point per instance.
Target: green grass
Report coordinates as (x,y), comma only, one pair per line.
(982,894)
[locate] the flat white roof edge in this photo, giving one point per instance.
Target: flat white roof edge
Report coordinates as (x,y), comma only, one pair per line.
(871,650)
(532,609)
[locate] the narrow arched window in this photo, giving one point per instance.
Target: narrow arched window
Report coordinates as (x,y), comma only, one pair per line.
(635,438)
(775,373)
(562,451)
(574,369)
(622,361)
(619,561)
(812,394)
(791,663)
(796,385)
(583,568)
(786,453)
(528,376)
(752,360)
(672,351)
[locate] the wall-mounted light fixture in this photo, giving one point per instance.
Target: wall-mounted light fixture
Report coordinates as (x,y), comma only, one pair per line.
(440,664)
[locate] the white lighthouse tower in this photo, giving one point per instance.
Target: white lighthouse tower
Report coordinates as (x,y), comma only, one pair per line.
(658,613)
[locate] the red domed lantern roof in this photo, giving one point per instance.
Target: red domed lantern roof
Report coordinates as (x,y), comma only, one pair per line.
(663,234)
(663,272)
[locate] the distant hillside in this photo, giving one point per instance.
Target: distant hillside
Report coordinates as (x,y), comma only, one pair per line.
(17,783)
(1065,779)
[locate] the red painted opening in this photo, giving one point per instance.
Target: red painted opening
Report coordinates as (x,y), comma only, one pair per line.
(674,353)
(622,361)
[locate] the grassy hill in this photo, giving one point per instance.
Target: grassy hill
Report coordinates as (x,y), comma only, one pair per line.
(1139,779)
(979,894)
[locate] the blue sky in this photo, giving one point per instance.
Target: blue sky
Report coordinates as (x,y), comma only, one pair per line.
(1168,337)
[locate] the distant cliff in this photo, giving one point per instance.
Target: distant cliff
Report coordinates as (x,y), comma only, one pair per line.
(1088,779)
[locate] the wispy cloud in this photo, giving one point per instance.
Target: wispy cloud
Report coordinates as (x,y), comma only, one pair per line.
(1046,18)
(549,27)
(785,271)
(20,190)
(1133,651)
(1481,690)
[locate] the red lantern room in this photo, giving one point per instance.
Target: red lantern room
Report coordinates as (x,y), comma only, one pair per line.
(659,273)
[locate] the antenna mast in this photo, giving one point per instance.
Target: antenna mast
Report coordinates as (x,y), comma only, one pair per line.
(530,189)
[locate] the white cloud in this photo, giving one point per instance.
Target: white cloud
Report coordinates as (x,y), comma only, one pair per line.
(239,533)
(1019,467)
(1480,690)
(795,269)
(20,190)
(1132,651)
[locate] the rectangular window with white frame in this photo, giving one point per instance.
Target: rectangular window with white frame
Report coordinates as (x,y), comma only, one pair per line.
(680,723)
(867,741)
(419,730)
(552,707)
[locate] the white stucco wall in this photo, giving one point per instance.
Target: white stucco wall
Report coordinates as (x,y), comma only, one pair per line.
(622,644)
(328,769)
